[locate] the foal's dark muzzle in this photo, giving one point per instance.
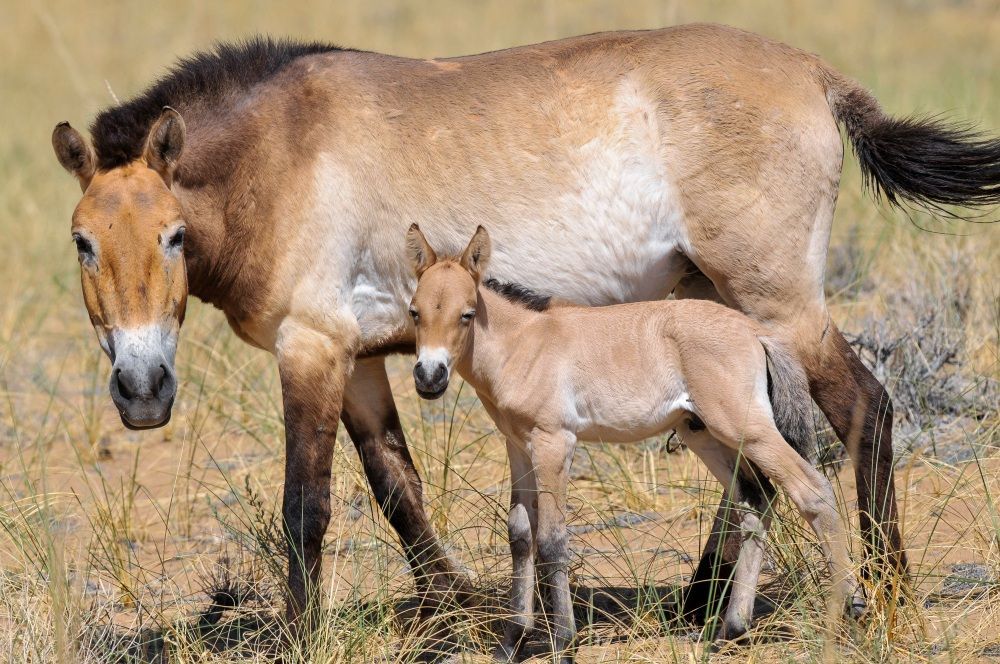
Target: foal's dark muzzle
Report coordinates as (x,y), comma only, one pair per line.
(143,394)
(431,381)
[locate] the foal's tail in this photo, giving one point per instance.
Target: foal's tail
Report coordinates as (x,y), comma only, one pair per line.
(788,388)
(923,161)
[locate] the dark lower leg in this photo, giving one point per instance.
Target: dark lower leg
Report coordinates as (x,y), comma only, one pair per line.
(553,575)
(860,411)
(306,514)
(398,492)
(709,588)
(372,421)
(521,522)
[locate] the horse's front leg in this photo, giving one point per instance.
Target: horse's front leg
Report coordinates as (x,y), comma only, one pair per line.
(313,366)
(373,424)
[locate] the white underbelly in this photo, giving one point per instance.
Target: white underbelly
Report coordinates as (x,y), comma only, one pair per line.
(630,418)
(618,236)
(610,228)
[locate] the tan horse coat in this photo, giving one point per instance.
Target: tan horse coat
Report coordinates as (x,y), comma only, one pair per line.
(615,167)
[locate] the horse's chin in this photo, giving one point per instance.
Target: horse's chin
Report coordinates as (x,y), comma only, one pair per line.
(145,427)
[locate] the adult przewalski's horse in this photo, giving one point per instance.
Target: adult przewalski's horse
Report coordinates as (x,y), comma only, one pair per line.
(277,180)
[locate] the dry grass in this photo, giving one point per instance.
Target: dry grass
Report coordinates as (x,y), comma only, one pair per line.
(122,546)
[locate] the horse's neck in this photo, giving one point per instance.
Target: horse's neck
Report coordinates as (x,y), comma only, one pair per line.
(494,337)
(206,187)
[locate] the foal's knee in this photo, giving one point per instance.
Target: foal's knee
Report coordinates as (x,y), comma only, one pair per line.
(519,531)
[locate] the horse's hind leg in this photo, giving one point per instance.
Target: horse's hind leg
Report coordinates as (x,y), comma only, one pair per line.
(758,212)
(370,416)
(860,411)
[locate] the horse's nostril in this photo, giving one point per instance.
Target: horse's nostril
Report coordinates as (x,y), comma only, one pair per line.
(161,380)
(123,388)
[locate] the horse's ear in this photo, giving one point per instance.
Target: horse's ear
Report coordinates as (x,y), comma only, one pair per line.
(476,256)
(74,153)
(165,143)
(421,254)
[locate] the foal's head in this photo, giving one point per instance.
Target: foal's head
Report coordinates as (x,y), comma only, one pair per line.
(443,306)
(129,234)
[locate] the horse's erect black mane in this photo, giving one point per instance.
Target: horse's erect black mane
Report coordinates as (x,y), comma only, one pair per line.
(518,294)
(119,133)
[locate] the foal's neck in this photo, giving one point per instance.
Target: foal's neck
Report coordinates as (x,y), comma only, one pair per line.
(494,337)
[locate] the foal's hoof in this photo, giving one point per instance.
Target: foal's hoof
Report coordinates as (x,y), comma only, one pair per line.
(732,632)
(856,608)
(505,654)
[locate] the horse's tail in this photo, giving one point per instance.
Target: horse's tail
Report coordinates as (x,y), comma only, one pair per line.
(923,161)
(788,388)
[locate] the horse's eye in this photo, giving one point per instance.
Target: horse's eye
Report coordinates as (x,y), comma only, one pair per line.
(414,315)
(468,315)
(177,239)
(83,246)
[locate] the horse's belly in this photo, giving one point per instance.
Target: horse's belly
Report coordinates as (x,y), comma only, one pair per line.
(615,233)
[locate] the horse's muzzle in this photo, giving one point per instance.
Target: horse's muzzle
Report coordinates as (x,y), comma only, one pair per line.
(143,394)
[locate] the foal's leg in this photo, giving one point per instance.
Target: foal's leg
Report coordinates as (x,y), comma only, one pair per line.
(520,526)
(709,586)
(747,504)
(758,494)
(372,421)
(551,455)
(813,496)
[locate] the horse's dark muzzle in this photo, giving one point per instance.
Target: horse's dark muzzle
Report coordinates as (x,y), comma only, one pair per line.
(144,395)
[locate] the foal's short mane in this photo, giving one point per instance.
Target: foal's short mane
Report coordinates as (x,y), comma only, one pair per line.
(519,294)
(119,132)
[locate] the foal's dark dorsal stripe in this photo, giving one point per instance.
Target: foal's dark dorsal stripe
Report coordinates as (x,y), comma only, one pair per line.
(519,295)
(119,133)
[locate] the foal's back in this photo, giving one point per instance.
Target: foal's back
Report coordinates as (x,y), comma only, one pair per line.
(625,372)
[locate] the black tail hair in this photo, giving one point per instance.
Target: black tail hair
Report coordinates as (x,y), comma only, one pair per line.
(923,161)
(788,389)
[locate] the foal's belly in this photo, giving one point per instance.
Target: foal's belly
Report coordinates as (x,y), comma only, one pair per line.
(626,415)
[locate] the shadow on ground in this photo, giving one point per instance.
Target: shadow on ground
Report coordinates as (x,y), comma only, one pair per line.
(614,614)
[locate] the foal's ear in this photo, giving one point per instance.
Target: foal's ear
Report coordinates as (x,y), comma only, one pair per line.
(421,254)
(74,153)
(165,143)
(476,256)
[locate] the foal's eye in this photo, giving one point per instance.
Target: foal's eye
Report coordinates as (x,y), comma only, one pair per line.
(468,315)
(176,240)
(414,315)
(83,246)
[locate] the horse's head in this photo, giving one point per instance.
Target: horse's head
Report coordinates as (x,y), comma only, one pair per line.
(129,233)
(443,307)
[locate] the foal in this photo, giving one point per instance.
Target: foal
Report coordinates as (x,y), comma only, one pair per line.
(550,376)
